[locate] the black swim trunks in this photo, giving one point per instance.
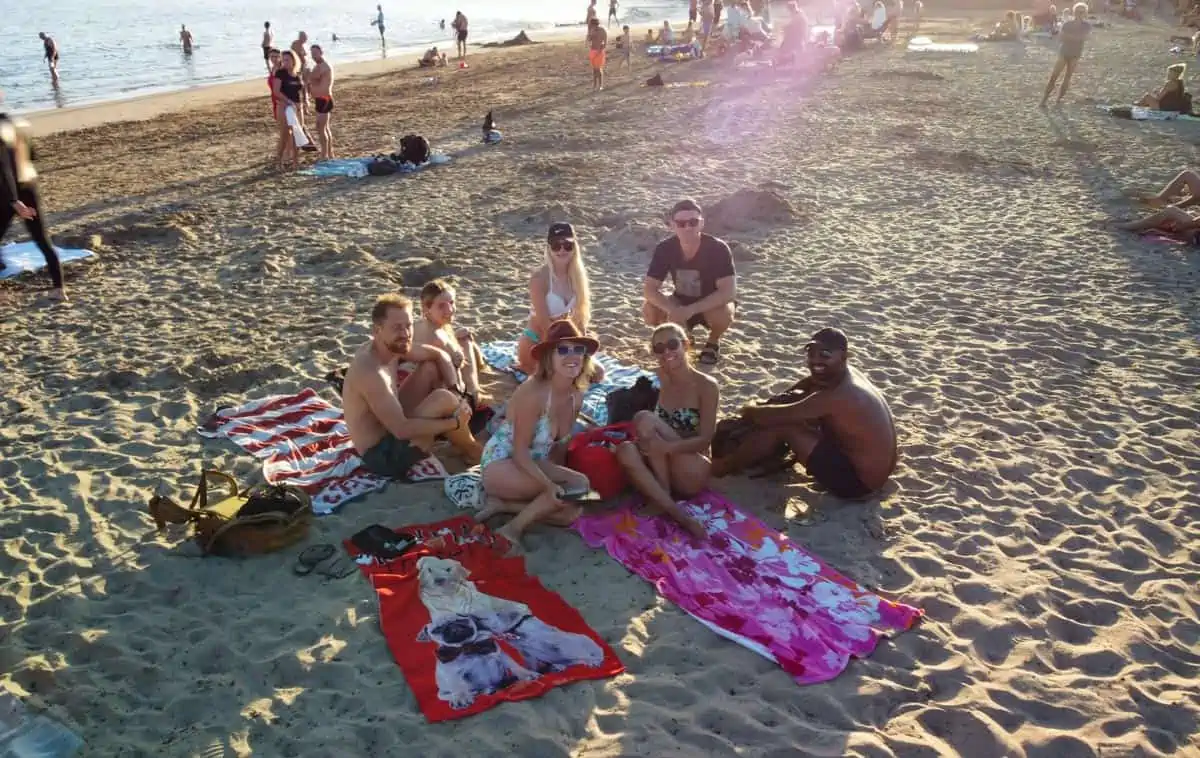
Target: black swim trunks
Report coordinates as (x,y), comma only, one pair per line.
(834,470)
(462,35)
(392,458)
(266,53)
(323,104)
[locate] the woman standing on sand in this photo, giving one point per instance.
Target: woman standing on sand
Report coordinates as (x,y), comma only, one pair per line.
(436,329)
(19,197)
(558,289)
(518,473)
(287,89)
(1072,35)
(669,458)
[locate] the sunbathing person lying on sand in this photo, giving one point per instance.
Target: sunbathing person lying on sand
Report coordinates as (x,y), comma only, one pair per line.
(1173,95)
(436,329)
(558,289)
(518,473)
(668,460)
(394,421)
(1185,180)
(841,428)
(1172,220)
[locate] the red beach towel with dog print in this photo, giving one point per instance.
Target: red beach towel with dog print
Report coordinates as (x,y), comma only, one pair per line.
(470,629)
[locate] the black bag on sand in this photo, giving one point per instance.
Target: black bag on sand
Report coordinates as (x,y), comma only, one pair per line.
(414,149)
(655,81)
(381,166)
(623,404)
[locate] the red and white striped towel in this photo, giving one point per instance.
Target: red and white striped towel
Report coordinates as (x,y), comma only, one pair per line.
(303,441)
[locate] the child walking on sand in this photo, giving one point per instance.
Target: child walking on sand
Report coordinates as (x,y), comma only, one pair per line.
(1073,34)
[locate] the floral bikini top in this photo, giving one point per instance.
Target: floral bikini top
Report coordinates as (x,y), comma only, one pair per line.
(685,421)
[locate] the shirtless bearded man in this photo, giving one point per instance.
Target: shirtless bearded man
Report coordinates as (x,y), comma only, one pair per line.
(841,427)
(393,422)
(597,42)
(320,84)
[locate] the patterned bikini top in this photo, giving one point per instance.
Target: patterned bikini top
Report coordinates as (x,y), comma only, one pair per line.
(685,421)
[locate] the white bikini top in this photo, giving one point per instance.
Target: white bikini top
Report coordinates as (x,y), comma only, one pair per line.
(555,303)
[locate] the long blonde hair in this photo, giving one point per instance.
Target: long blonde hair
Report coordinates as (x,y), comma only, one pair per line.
(577,275)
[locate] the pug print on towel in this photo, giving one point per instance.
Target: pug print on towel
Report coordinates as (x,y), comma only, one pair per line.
(471,631)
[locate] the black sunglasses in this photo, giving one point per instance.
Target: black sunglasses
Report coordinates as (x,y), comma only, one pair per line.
(565,246)
(686,222)
(662,347)
(565,349)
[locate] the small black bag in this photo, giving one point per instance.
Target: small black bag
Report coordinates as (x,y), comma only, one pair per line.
(381,166)
(414,149)
(623,404)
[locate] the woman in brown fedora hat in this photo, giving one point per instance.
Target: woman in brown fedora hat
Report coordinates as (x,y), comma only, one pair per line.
(518,474)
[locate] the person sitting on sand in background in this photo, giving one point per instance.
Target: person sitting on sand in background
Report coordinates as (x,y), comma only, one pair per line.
(431,59)
(436,329)
(391,428)
(841,429)
(1072,35)
(668,461)
(1185,180)
(597,51)
(795,36)
(688,35)
(518,473)
(701,267)
(1172,220)
(19,196)
(558,289)
(1173,95)
(666,35)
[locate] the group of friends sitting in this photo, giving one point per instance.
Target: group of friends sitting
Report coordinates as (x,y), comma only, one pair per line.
(417,381)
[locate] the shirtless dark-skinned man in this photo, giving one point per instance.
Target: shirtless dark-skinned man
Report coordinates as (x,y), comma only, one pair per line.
(841,428)
(393,419)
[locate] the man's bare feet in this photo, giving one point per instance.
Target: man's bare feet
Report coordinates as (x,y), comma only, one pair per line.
(59,294)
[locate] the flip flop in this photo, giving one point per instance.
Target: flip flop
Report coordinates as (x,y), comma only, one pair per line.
(338,568)
(311,557)
(710,354)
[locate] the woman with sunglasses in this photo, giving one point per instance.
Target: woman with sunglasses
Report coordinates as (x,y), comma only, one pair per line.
(518,475)
(436,329)
(558,289)
(669,459)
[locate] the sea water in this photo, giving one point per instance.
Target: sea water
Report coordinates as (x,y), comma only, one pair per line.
(113,49)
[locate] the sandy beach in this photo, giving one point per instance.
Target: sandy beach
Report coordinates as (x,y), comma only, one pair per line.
(1042,367)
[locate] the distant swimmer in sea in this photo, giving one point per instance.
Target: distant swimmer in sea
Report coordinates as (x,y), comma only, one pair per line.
(51,55)
(334,37)
(18,194)
(379,23)
(320,83)
(442,24)
(268,41)
(185,39)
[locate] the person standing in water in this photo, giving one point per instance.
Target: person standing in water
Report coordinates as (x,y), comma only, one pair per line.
(185,39)
(612,12)
(50,48)
(268,42)
(19,197)
(320,83)
(378,22)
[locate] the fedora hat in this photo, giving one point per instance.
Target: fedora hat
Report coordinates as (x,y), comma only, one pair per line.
(563,330)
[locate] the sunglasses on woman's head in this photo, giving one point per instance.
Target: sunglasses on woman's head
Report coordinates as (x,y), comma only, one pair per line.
(565,246)
(687,222)
(566,349)
(671,344)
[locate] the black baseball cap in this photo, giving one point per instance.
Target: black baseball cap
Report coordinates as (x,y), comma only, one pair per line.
(829,338)
(560,230)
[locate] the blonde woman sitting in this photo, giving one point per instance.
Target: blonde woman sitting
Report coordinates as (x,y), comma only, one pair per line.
(1173,95)
(670,458)
(558,289)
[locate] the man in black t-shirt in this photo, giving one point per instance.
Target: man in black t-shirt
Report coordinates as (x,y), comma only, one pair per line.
(701,268)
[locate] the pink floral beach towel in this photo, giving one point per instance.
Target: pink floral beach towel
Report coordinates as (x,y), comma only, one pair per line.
(752,585)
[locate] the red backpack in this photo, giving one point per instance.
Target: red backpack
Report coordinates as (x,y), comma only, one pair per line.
(594,454)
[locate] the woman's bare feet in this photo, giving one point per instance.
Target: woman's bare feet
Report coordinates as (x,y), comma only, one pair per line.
(514,540)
